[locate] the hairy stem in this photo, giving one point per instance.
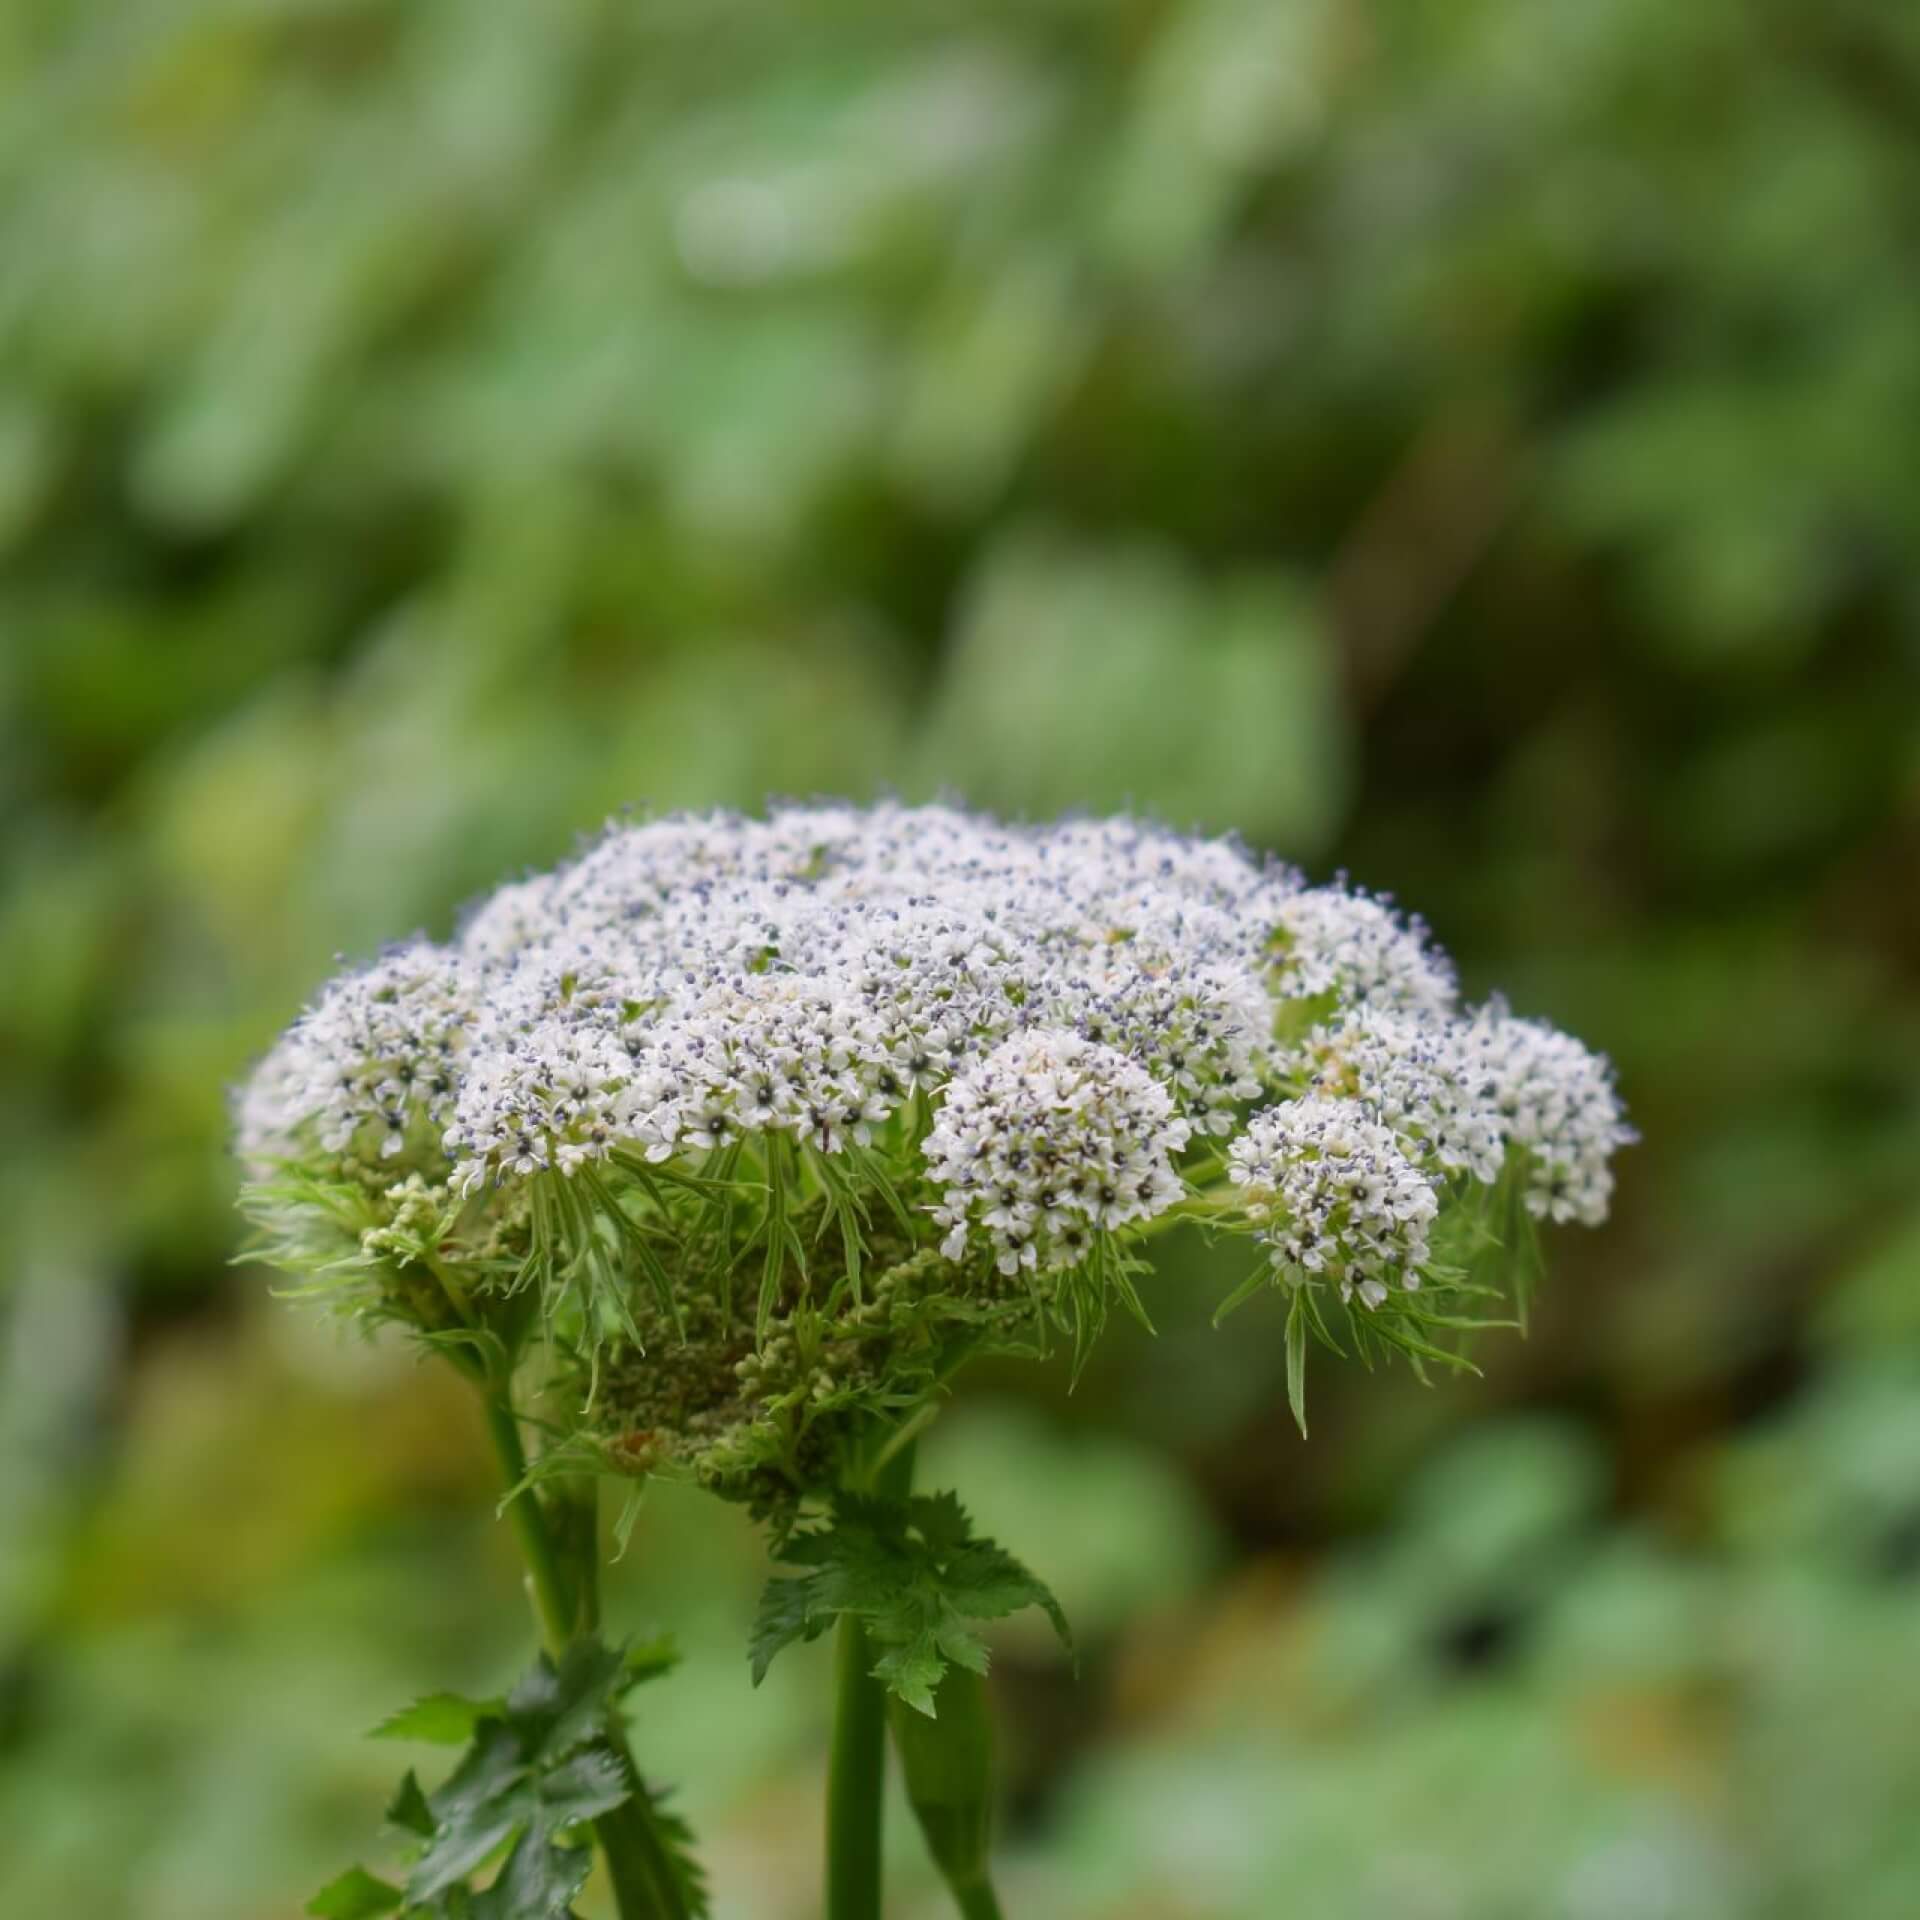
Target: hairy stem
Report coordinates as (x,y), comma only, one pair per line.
(856,1771)
(639,1866)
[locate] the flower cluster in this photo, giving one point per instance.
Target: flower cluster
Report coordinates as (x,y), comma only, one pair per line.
(1048,1141)
(1419,1077)
(1333,1192)
(710,1045)
(1356,949)
(377,1060)
(1556,1100)
(693,981)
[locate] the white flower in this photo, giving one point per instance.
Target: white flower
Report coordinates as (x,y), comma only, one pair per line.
(1201,1031)
(1047,1141)
(373,1064)
(512,918)
(1330,940)
(1331,1192)
(1418,1075)
(1556,1099)
(835,976)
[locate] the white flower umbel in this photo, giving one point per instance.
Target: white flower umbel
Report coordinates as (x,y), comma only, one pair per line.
(720,1150)
(1329,941)
(778,1058)
(1418,1076)
(1332,1194)
(1048,1142)
(373,1065)
(1556,1100)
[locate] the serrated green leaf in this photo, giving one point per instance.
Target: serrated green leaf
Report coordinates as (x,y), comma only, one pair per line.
(914,1575)
(539,1766)
(538,1880)
(676,1846)
(985,1582)
(408,1808)
(355,1895)
(940,1520)
(442,1719)
(555,1709)
(648,1660)
(590,1783)
(963,1646)
(784,1616)
(484,1803)
(911,1672)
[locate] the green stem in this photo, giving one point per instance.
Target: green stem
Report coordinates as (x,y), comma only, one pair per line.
(1199,1206)
(856,1775)
(646,1885)
(639,1865)
(551,1599)
(856,1771)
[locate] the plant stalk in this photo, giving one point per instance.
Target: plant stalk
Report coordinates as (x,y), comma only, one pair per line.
(639,1867)
(857,1768)
(553,1603)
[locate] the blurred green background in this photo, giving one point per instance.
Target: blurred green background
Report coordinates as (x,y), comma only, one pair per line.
(1466,441)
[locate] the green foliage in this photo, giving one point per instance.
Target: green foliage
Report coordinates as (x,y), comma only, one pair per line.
(442,1719)
(427,426)
(1486,1249)
(541,1766)
(355,1895)
(913,1574)
(767,1416)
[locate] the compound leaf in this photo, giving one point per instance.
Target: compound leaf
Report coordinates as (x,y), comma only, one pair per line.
(916,1577)
(355,1895)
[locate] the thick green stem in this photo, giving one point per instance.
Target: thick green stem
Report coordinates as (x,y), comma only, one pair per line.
(857,1769)
(639,1867)
(856,1776)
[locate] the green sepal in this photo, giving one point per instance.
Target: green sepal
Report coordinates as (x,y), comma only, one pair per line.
(1297,1358)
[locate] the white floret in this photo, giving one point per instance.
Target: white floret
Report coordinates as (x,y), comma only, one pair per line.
(1418,1075)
